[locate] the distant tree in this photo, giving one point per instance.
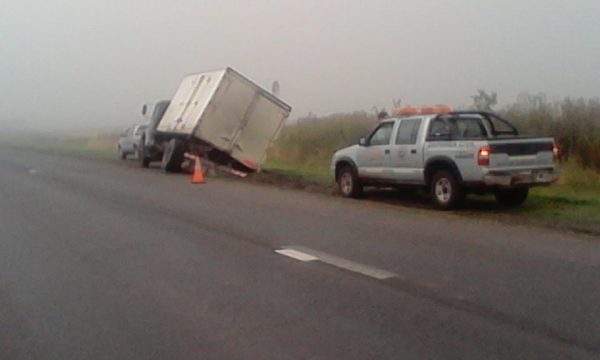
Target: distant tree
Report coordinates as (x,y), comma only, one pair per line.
(484,101)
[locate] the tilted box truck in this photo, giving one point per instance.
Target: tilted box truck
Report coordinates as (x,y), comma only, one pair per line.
(220,115)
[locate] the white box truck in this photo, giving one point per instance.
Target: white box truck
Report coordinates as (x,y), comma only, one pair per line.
(220,115)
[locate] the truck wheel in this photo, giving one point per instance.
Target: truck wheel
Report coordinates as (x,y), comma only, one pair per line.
(173,156)
(122,154)
(348,182)
(511,197)
(446,191)
(141,153)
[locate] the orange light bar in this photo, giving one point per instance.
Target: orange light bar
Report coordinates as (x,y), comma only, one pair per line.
(425,110)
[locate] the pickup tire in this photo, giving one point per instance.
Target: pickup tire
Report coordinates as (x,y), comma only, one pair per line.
(141,153)
(446,191)
(173,156)
(122,154)
(511,197)
(348,182)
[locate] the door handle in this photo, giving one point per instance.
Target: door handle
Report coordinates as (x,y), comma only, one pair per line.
(386,151)
(413,151)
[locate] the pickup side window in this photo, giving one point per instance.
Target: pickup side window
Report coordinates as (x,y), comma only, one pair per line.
(382,135)
(500,126)
(408,131)
(438,130)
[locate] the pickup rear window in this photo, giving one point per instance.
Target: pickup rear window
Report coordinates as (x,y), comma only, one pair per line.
(459,128)
(470,126)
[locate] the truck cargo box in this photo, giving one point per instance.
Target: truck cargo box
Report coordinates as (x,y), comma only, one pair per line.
(227,111)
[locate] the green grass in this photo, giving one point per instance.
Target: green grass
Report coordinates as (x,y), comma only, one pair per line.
(305,149)
(312,173)
(573,202)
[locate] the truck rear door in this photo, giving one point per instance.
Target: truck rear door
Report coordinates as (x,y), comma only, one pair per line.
(260,126)
(406,158)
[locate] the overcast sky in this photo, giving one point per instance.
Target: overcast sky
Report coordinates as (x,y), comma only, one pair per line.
(87,63)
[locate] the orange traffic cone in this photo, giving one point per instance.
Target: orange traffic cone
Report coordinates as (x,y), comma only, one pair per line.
(198,177)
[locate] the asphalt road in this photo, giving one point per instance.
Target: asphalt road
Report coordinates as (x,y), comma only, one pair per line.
(100,259)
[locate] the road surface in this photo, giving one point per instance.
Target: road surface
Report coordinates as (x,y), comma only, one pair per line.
(100,259)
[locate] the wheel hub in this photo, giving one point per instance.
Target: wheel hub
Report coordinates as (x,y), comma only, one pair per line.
(443,190)
(346,183)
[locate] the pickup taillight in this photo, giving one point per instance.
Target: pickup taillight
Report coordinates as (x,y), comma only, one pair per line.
(555,151)
(483,156)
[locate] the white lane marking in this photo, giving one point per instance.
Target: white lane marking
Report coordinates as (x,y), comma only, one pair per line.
(339,262)
(33,171)
(298,255)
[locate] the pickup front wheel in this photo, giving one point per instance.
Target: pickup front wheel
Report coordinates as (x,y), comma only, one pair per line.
(446,191)
(348,182)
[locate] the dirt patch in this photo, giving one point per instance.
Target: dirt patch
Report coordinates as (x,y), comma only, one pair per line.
(288,181)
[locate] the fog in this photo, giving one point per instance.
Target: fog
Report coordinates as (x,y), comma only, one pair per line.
(91,64)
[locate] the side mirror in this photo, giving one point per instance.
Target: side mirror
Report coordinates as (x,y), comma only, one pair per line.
(362,141)
(144,109)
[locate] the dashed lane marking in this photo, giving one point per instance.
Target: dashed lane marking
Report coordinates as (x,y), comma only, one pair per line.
(298,255)
(306,254)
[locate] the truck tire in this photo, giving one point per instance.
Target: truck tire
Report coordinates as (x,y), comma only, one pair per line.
(511,197)
(122,154)
(173,156)
(141,153)
(446,191)
(348,182)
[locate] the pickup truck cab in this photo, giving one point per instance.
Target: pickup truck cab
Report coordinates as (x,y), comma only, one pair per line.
(450,154)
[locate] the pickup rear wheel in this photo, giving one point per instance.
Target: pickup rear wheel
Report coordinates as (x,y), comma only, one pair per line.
(446,191)
(348,182)
(173,156)
(511,197)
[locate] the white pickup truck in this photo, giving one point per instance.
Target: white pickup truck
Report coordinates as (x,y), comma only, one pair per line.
(450,154)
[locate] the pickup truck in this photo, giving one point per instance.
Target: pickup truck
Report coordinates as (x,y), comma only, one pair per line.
(450,154)
(129,140)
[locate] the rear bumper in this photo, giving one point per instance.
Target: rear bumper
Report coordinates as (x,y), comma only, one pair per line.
(521,178)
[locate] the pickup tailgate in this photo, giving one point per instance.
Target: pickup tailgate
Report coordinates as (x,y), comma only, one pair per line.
(521,153)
